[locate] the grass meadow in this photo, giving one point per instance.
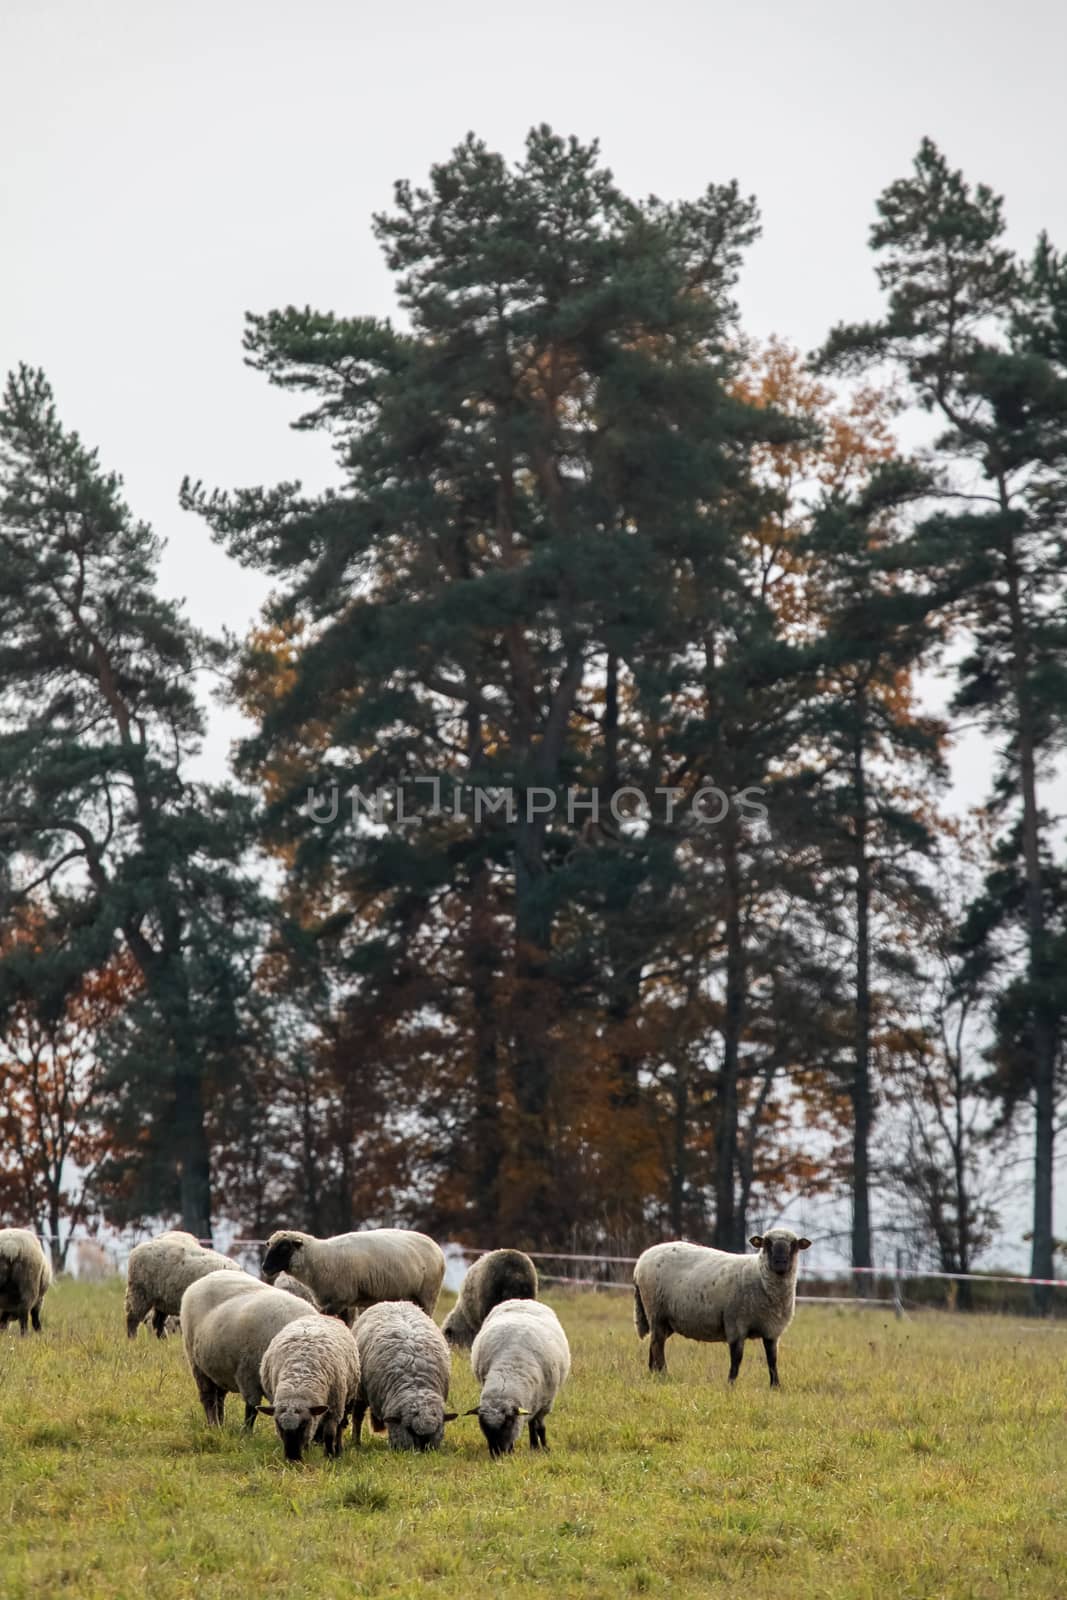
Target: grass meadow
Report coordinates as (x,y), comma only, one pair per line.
(921,1458)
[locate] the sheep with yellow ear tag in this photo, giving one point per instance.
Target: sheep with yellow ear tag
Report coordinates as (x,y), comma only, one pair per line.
(522,1359)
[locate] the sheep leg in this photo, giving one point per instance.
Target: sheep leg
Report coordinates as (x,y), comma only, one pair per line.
(137,1308)
(537,1434)
(771,1348)
(24,1323)
(212,1398)
(737,1350)
(35,1317)
(657,1361)
(159,1323)
(251,1413)
(359,1411)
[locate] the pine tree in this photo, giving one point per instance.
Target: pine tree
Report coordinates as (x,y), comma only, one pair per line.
(981,339)
(542,482)
(101,823)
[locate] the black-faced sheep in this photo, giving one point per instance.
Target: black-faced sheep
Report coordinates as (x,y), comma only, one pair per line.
(500,1275)
(405,1369)
(159,1272)
(355,1270)
(310,1376)
(522,1359)
(718,1297)
(25,1276)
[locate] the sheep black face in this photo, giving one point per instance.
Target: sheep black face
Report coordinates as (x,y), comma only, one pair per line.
(278,1257)
(500,1424)
(780,1247)
(295,1425)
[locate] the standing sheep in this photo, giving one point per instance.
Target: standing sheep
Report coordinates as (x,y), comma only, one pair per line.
(158,1274)
(522,1359)
(500,1275)
(718,1297)
(405,1369)
(355,1270)
(310,1376)
(227,1325)
(25,1276)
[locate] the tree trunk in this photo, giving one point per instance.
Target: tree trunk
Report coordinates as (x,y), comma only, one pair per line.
(192,1155)
(536,1191)
(727,1217)
(1044,1031)
(679,1165)
(486,1132)
(861,1074)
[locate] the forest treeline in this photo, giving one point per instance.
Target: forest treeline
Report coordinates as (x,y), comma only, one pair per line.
(586,872)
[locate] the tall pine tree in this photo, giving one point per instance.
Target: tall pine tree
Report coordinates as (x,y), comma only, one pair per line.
(100,821)
(981,339)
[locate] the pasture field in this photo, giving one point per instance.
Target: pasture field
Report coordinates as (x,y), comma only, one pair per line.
(915,1459)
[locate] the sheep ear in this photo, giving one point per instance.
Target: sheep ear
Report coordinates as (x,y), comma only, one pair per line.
(450,1416)
(756,1241)
(266,1411)
(318,1411)
(803,1244)
(523,1411)
(473,1412)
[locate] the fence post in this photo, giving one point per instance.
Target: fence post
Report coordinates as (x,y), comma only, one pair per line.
(898,1299)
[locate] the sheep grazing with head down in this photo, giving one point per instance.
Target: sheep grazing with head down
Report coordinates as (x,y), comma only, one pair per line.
(158,1274)
(354,1270)
(310,1376)
(228,1321)
(291,1285)
(522,1359)
(718,1297)
(500,1275)
(25,1277)
(405,1368)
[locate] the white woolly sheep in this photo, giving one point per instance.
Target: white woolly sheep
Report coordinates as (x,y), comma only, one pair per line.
(158,1274)
(310,1376)
(500,1275)
(25,1276)
(227,1325)
(291,1285)
(355,1270)
(522,1359)
(718,1297)
(405,1369)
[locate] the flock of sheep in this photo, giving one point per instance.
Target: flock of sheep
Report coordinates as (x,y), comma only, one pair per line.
(339,1327)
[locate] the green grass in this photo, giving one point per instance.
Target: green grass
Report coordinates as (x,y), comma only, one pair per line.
(923,1458)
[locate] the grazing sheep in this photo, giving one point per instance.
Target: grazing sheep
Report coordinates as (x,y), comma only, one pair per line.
(158,1274)
(522,1359)
(291,1285)
(355,1270)
(25,1276)
(718,1297)
(310,1376)
(405,1369)
(500,1275)
(227,1324)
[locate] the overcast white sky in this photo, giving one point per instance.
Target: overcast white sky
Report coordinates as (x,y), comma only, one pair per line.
(168,166)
